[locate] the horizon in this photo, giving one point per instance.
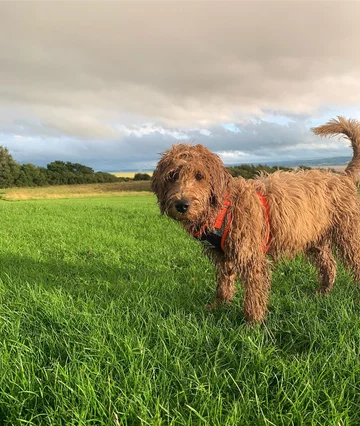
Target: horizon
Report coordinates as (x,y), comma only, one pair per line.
(301,162)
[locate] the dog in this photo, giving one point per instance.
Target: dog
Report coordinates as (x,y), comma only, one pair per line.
(246,225)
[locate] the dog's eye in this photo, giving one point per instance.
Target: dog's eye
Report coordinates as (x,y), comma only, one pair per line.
(173,176)
(199,176)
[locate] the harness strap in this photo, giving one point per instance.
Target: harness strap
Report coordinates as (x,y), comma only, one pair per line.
(221,216)
(226,231)
(221,225)
(224,220)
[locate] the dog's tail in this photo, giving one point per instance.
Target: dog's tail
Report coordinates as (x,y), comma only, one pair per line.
(350,128)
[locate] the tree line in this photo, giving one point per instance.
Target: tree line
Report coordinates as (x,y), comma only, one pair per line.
(55,173)
(67,173)
(250,171)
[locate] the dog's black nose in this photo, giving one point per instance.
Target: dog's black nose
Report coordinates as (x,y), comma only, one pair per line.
(182,205)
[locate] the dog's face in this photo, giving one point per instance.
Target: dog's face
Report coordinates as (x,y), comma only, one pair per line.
(189,181)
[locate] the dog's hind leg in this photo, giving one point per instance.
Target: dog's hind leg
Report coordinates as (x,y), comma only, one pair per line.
(321,257)
(347,242)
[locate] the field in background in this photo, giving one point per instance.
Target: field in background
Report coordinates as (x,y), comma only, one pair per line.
(81,191)
(338,169)
(77,191)
(129,174)
(102,322)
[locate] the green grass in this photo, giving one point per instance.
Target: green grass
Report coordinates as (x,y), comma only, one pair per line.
(102,322)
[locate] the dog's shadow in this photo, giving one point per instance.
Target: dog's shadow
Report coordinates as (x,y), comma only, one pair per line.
(92,276)
(188,290)
(101,283)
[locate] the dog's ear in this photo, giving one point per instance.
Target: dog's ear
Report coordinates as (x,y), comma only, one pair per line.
(157,186)
(213,200)
(220,179)
(158,180)
(219,188)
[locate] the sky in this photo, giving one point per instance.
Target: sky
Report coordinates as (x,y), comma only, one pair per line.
(112,84)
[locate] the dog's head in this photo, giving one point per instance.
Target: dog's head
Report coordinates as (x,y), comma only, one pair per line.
(190,182)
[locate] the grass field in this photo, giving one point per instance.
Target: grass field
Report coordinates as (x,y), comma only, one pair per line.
(102,322)
(76,191)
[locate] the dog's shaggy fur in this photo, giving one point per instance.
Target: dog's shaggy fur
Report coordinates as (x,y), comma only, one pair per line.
(314,212)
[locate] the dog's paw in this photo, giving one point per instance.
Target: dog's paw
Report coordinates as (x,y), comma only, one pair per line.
(212,306)
(323,291)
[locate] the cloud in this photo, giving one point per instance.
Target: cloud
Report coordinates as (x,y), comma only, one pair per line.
(252,142)
(79,78)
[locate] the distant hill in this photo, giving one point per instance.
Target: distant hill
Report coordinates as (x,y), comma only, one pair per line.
(317,162)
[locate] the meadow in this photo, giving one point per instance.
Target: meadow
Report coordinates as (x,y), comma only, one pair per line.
(113,189)
(129,174)
(102,322)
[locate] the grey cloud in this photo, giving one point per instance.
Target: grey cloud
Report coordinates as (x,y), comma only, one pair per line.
(180,62)
(254,142)
(77,78)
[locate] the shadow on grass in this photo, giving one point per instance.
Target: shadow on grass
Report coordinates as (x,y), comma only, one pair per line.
(92,279)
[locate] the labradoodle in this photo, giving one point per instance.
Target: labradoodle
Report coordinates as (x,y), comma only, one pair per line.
(245,223)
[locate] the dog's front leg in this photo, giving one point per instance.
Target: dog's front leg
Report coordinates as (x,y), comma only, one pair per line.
(256,281)
(225,283)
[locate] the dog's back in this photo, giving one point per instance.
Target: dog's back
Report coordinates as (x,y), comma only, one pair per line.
(304,205)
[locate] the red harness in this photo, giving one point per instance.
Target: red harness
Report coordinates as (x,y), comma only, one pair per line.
(216,239)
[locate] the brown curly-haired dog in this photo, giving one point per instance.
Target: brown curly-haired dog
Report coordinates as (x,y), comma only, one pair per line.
(280,215)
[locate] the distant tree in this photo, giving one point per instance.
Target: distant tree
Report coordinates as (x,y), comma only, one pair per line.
(57,173)
(57,167)
(142,176)
(29,175)
(304,167)
(9,168)
(102,177)
(250,171)
(79,169)
(61,173)
(42,179)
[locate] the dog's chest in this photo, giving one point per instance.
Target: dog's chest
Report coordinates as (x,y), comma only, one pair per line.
(215,239)
(211,240)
